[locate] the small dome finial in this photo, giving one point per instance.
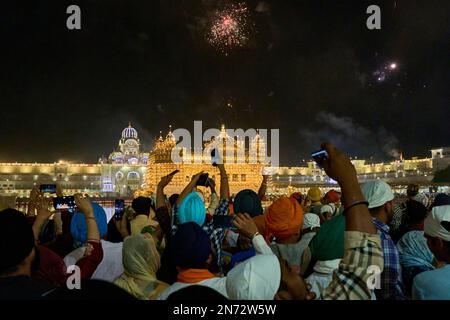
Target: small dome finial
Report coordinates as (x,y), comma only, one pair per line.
(129,124)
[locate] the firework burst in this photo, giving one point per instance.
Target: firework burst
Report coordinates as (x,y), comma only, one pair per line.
(229,28)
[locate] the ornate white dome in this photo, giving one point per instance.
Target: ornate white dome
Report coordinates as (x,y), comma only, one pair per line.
(129,133)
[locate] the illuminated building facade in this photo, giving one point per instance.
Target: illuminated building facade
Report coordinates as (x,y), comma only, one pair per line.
(123,171)
(243,168)
(121,174)
(128,171)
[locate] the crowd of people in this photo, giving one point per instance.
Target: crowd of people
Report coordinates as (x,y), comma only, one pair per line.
(361,243)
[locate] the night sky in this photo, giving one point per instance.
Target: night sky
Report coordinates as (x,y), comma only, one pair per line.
(310,68)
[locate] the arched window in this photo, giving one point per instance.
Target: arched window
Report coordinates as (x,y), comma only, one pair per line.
(133,161)
(133,175)
(119,175)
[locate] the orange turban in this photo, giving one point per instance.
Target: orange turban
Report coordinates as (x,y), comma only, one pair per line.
(283,218)
(260,222)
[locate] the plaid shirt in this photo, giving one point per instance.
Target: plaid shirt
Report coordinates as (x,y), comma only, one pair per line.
(350,280)
(216,235)
(391,283)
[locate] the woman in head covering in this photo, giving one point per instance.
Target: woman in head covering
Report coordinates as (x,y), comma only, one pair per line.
(415,257)
(141,261)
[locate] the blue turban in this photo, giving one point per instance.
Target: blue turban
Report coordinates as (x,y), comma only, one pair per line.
(78,227)
(192,209)
(247,201)
(190,247)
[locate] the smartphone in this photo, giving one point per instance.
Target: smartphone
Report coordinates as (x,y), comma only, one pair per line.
(47,188)
(214,157)
(225,222)
(119,209)
(65,203)
(203,180)
(319,157)
(174,172)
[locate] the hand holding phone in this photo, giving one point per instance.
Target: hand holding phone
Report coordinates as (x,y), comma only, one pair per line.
(165,180)
(319,157)
(119,209)
(65,203)
(203,180)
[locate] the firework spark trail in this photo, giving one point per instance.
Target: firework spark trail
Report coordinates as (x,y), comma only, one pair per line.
(229,28)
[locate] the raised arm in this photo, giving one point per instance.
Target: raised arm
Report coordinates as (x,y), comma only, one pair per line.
(188,189)
(363,251)
(224,187)
(162,212)
(86,208)
(262,188)
(339,168)
(31,208)
(42,215)
(160,190)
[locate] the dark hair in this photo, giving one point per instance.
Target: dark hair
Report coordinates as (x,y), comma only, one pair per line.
(415,212)
(113,235)
(16,239)
(142,205)
(412,190)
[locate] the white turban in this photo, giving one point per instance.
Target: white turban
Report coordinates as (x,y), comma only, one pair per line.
(327,208)
(310,220)
(433,221)
(377,193)
(257,278)
(422,198)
